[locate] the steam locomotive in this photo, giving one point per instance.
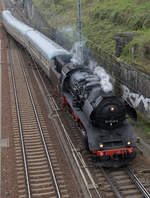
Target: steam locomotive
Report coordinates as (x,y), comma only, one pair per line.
(101,116)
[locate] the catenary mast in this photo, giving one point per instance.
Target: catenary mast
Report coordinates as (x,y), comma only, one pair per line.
(79,29)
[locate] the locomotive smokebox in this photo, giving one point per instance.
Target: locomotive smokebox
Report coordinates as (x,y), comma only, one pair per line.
(109,113)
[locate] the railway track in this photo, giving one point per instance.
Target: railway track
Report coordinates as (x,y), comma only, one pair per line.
(98,182)
(38,172)
(125,183)
(73,154)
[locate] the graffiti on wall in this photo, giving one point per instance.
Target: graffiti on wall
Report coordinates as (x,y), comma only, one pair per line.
(136,99)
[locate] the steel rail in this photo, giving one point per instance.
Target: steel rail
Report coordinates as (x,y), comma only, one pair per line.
(77,159)
(55,108)
(115,190)
(73,149)
(135,179)
(41,131)
(19,123)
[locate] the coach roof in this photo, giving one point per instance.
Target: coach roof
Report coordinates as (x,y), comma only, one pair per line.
(46,46)
(20,26)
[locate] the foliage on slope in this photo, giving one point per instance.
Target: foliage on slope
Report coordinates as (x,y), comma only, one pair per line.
(102,19)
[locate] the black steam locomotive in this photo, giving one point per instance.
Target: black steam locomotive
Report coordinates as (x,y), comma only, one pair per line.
(100,114)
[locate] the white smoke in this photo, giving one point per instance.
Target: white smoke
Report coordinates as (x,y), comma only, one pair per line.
(103,76)
(77,53)
(78,58)
(73,36)
(69,31)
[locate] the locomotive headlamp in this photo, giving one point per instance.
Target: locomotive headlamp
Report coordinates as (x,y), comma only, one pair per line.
(101,146)
(112,108)
(128,143)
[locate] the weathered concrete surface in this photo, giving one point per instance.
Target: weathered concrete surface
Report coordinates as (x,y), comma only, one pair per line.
(122,39)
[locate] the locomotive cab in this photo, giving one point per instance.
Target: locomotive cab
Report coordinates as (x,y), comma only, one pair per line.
(60,61)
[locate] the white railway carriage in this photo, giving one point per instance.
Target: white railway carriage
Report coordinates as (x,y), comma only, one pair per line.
(15,27)
(42,49)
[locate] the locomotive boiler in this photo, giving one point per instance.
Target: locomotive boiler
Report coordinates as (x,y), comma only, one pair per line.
(101,116)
